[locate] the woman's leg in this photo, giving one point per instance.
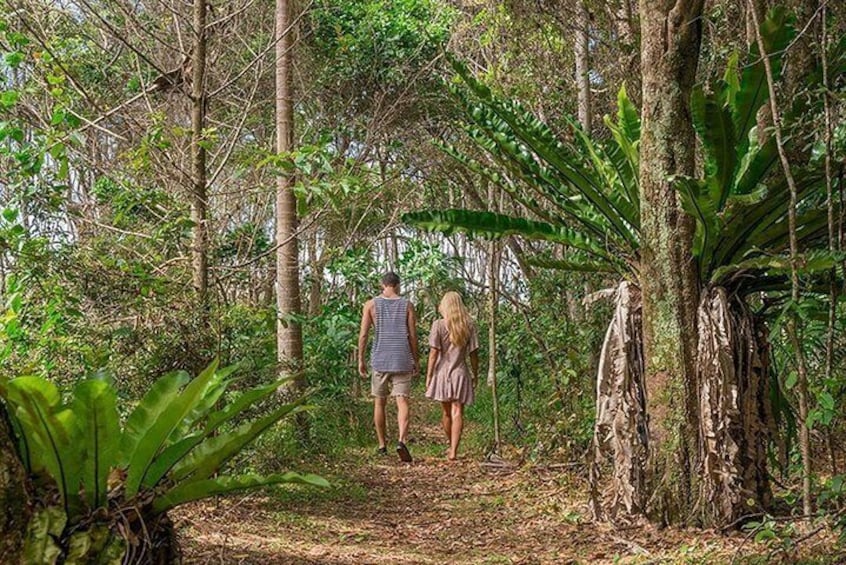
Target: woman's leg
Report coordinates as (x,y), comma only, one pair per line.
(457,413)
(446,419)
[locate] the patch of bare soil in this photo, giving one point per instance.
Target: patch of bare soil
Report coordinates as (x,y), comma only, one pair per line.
(381,511)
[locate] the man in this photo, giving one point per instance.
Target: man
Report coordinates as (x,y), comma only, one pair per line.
(393,357)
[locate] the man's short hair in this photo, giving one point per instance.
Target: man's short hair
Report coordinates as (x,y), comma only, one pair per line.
(390,279)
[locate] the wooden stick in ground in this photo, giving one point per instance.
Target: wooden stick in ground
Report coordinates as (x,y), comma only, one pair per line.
(494,251)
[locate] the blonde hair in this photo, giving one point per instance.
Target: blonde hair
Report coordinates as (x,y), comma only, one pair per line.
(457,318)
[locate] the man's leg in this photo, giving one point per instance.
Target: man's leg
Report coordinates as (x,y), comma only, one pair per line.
(402,417)
(457,427)
(446,419)
(379,418)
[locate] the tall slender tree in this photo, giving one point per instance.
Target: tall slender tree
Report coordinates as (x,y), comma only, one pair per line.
(199,180)
(671,35)
(582,55)
(289,334)
(793,321)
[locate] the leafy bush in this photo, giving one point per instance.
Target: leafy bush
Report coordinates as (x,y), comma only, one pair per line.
(105,488)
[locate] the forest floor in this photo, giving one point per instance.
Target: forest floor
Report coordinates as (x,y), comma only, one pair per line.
(381,511)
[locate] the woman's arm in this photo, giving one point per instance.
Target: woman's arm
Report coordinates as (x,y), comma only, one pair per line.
(474,364)
(430,366)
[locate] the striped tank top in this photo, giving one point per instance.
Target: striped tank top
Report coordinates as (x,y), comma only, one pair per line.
(391,352)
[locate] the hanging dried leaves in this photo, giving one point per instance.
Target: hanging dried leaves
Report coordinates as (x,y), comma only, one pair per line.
(736,423)
(620,432)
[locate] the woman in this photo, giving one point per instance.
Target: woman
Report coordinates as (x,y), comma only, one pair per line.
(448,379)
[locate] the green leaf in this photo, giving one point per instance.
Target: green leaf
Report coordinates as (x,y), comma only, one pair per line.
(177,451)
(96,545)
(95,405)
(9,98)
(696,202)
(145,415)
(197,490)
(531,135)
(156,435)
(489,224)
(58,117)
(244,401)
(214,390)
(791,380)
(714,127)
(628,119)
(777,31)
(50,429)
(826,400)
(817,261)
(574,265)
(208,457)
(14,58)
(10,214)
(765,534)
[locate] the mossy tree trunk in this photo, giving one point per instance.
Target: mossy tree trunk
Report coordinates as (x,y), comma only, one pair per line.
(14,503)
(671,34)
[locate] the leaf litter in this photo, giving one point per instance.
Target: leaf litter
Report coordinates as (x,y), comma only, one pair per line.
(382,511)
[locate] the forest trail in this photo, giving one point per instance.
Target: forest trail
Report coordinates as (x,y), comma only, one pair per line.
(381,511)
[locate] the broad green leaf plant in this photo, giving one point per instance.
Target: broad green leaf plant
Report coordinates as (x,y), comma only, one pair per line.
(583,193)
(171,449)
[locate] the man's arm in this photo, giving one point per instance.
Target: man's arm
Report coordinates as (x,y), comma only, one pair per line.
(366,322)
(412,336)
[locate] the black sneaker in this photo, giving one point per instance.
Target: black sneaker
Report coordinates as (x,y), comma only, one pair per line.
(403,453)
(382,451)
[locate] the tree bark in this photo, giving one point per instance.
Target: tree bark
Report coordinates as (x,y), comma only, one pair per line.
(289,334)
(582,54)
(199,197)
(14,503)
(671,34)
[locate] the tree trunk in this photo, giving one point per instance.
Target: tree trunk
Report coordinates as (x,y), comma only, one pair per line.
(671,33)
(14,503)
(832,226)
(582,54)
(289,334)
(199,200)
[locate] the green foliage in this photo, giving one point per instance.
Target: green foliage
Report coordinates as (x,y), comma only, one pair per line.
(170,446)
(377,44)
(585,192)
(545,372)
(740,205)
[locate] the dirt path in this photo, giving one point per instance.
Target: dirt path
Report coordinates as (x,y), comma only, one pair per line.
(382,511)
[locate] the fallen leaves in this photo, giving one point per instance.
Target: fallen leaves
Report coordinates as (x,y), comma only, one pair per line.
(384,512)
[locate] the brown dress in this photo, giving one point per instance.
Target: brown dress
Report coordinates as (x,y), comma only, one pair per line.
(451,379)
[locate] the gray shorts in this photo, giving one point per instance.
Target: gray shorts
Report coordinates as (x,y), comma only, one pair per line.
(398,383)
